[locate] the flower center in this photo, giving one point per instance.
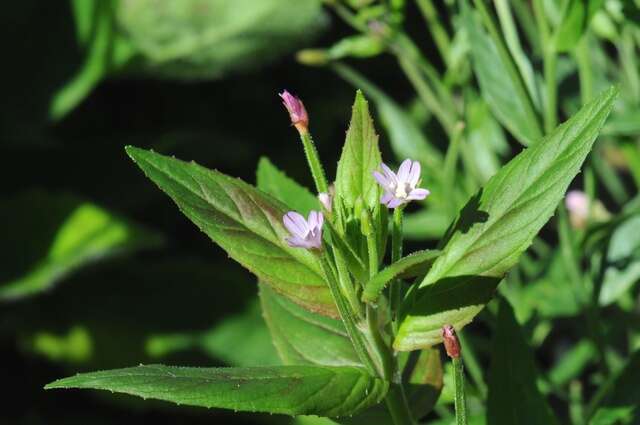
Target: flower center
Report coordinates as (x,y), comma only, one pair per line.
(402,190)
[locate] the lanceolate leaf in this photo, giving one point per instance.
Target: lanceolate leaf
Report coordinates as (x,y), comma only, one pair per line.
(575,21)
(360,157)
(292,390)
(497,225)
(245,222)
(513,395)
(303,337)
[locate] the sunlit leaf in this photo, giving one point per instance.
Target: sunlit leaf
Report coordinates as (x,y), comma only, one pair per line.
(360,157)
(292,390)
(245,222)
(496,227)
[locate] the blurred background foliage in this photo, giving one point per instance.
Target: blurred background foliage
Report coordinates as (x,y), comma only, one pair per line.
(100,270)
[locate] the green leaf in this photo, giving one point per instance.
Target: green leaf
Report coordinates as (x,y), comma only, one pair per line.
(245,222)
(292,390)
(302,337)
(575,21)
(501,87)
(275,182)
(513,395)
(360,157)
(623,261)
(412,265)
(65,234)
(198,39)
(623,398)
(496,227)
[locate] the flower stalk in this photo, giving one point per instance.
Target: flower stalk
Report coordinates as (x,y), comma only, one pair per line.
(452,347)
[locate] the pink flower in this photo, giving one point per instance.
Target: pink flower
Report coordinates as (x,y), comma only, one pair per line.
(400,188)
(326,200)
(297,112)
(304,233)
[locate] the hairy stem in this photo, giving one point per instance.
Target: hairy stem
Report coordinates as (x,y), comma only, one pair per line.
(314,162)
(395,291)
(459,401)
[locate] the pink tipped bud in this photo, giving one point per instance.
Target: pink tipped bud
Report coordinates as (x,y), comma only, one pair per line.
(297,112)
(577,204)
(325,200)
(451,343)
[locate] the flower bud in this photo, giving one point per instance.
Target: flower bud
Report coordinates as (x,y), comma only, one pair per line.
(297,112)
(451,343)
(326,200)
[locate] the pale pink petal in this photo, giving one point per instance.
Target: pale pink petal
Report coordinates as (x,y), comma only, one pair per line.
(312,220)
(418,194)
(391,176)
(403,171)
(386,197)
(395,202)
(320,222)
(295,224)
(414,174)
(382,180)
(297,242)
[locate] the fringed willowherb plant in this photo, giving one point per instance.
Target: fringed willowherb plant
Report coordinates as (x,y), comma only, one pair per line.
(345,350)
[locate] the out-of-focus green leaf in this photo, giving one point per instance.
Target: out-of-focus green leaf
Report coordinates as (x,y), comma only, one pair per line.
(360,157)
(620,405)
(513,395)
(499,86)
(292,390)
(572,363)
(239,340)
(496,227)
(426,224)
(106,51)
(485,140)
(302,337)
(245,222)
(75,347)
(211,38)
(623,258)
(575,21)
(52,235)
(274,182)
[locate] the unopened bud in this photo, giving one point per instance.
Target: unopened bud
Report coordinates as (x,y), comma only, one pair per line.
(451,343)
(297,112)
(326,200)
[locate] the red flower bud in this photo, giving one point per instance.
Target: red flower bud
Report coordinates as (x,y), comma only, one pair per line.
(451,343)
(297,112)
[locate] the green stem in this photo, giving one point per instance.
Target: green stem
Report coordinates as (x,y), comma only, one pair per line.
(549,67)
(459,400)
(585,73)
(348,318)
(395,291)
(438,32)
(314,162)
(397,405)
